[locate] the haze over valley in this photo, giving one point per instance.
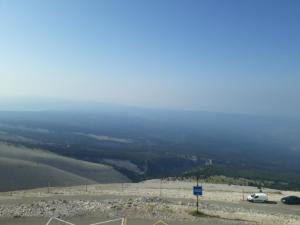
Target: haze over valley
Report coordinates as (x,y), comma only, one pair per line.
(144,143)
(153,112)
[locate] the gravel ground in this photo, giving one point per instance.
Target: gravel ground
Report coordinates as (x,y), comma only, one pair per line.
(143,203)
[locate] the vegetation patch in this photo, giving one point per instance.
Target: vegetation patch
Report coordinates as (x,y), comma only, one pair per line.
(196,213)
(251,177)
(200,214)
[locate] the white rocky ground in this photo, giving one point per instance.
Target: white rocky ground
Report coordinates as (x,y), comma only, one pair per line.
(169,200)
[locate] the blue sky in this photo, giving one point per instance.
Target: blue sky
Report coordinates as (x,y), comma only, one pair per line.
(225,56)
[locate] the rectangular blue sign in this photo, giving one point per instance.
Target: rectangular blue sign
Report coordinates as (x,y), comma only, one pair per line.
(197,190)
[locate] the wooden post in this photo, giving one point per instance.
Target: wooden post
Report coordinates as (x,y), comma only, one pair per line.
(86,187)
(48,187)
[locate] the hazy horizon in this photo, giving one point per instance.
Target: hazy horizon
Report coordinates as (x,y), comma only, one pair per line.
(215,56)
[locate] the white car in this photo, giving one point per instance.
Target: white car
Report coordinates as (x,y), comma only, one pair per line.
(258,197)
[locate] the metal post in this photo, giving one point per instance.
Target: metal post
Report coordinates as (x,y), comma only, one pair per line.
(197,195)
(160,188)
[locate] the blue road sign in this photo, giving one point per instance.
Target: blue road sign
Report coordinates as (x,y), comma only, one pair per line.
(197,190)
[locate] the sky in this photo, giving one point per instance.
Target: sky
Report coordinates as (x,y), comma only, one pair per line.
(221,56)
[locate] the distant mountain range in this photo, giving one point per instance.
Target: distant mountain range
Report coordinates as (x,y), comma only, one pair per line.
(146,143)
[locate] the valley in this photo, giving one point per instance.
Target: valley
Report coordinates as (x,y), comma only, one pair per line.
(144,144)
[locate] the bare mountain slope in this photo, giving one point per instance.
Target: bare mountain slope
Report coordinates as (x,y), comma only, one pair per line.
(22,168)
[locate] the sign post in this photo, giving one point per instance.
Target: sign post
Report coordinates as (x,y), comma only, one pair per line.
(197,190)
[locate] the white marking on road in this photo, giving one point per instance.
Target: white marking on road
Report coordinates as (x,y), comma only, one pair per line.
(54,218)
(160,222)
(108,221)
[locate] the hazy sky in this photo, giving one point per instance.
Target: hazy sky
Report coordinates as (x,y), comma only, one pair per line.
(228,56)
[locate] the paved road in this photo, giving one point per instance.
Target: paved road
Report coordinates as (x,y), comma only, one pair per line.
(261,207)
(270,209)
(278,208)
(91,220)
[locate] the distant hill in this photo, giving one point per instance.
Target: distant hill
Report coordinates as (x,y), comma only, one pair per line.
(23,168)
(147,143)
